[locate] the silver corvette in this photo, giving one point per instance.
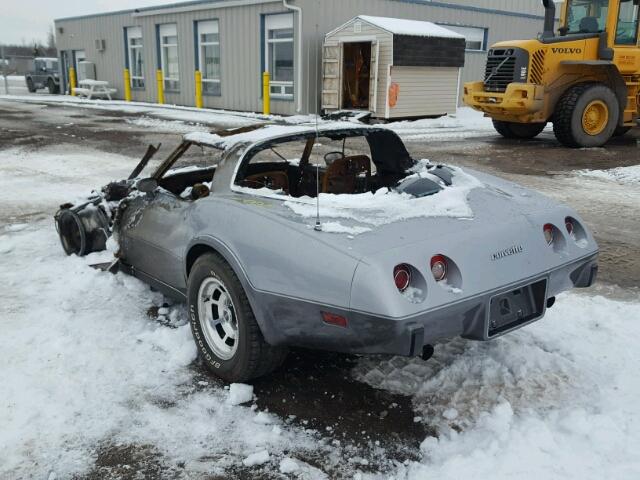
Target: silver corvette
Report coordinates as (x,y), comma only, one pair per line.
(331,237)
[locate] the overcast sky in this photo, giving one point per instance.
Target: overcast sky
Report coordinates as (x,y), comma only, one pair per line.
(28,20)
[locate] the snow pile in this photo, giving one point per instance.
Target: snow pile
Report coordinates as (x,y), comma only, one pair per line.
(627,175)
(401,26)
(387,206)
(240,393)
(557,399)
(35,181)
(169,126)
(222,118)
(84,365)
(465,123)
(15,83)
(257,458)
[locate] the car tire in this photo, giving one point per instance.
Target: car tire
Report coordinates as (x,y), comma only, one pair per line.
(586,116)
(227,313)
(52,87)
(30,86)
(522,131)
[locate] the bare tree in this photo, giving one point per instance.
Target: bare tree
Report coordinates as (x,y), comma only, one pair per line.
(51,38)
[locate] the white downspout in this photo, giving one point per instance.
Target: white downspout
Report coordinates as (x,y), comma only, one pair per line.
(299,86)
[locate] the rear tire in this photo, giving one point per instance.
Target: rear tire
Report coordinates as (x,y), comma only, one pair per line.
(522,131)
(586,116)
(228,313)
(30,86)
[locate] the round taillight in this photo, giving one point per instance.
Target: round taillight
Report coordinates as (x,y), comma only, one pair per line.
(402,277)
(439,267)
(548,233)
(568,223)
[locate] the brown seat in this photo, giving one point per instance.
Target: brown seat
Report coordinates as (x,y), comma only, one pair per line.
(274,180)
(342,175)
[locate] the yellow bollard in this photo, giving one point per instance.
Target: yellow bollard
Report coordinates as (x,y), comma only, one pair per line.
(198,89)
(160,82)
(266,94)
(72,81)
(127,85)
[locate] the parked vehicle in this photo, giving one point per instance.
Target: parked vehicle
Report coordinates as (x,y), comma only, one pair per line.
(332,238)
(45,74)
(586,79)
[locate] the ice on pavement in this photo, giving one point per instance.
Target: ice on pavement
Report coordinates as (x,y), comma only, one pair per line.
(240,393)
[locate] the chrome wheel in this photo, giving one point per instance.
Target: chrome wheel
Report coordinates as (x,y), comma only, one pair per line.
(217,316)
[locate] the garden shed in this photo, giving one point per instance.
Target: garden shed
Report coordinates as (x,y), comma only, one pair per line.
(393,68)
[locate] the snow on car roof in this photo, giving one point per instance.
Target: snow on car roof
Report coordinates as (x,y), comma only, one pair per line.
(267,132)
(418,28)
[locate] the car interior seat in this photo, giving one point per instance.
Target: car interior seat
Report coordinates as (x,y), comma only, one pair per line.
(342,175)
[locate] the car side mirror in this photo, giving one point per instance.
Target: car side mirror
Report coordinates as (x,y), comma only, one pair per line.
(147,185)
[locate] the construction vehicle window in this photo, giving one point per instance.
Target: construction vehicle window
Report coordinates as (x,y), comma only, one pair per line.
(587,16)
(627,28)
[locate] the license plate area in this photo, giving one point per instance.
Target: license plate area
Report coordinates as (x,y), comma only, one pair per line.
(516,307)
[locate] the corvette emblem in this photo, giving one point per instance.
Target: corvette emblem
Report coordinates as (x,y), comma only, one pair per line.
(507,252)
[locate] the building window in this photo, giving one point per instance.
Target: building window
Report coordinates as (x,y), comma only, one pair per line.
(209,56)
(169,56)
(474,36)
(279,53)
(134,51)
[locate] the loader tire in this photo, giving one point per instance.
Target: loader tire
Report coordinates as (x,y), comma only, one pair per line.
(522,131)
(586,116)
(224,327)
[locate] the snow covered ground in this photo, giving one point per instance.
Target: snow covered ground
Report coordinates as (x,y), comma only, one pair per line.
(628,175)
(463,124)
(16,85)
(84,366)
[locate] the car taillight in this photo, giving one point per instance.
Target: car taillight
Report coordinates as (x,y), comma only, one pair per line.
(568,223)
(334,319)
(548,233)
(439,267)
(402,276)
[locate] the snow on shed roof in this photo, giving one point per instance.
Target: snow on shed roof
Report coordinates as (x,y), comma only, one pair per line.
(416,28)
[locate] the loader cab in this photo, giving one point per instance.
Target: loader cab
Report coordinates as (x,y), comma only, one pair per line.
(620,18)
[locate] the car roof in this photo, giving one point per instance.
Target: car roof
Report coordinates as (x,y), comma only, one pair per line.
(226,139)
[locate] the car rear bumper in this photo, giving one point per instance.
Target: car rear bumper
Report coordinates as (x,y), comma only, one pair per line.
(291,322)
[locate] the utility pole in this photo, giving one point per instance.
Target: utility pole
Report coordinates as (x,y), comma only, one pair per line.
(4,71)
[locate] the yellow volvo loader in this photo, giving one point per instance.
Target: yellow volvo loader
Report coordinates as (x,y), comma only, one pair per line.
(585,78)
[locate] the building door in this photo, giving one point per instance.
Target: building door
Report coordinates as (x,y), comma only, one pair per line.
(64,71)
(356,75)
(78,56)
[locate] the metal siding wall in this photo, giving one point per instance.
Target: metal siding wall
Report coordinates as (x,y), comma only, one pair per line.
(240,43)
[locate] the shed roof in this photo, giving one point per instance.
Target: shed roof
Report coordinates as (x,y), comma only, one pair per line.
(416,28)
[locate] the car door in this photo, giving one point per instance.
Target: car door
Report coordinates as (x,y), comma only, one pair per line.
(153,236)
(37,73)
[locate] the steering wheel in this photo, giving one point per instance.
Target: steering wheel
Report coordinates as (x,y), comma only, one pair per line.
(331,157)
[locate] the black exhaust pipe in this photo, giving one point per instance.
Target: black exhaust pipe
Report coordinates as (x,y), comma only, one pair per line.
(549,18)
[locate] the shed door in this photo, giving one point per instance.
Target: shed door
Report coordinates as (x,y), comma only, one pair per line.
(331,81)
(373,78)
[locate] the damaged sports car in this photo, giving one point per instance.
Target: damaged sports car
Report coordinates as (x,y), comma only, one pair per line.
(331,237)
